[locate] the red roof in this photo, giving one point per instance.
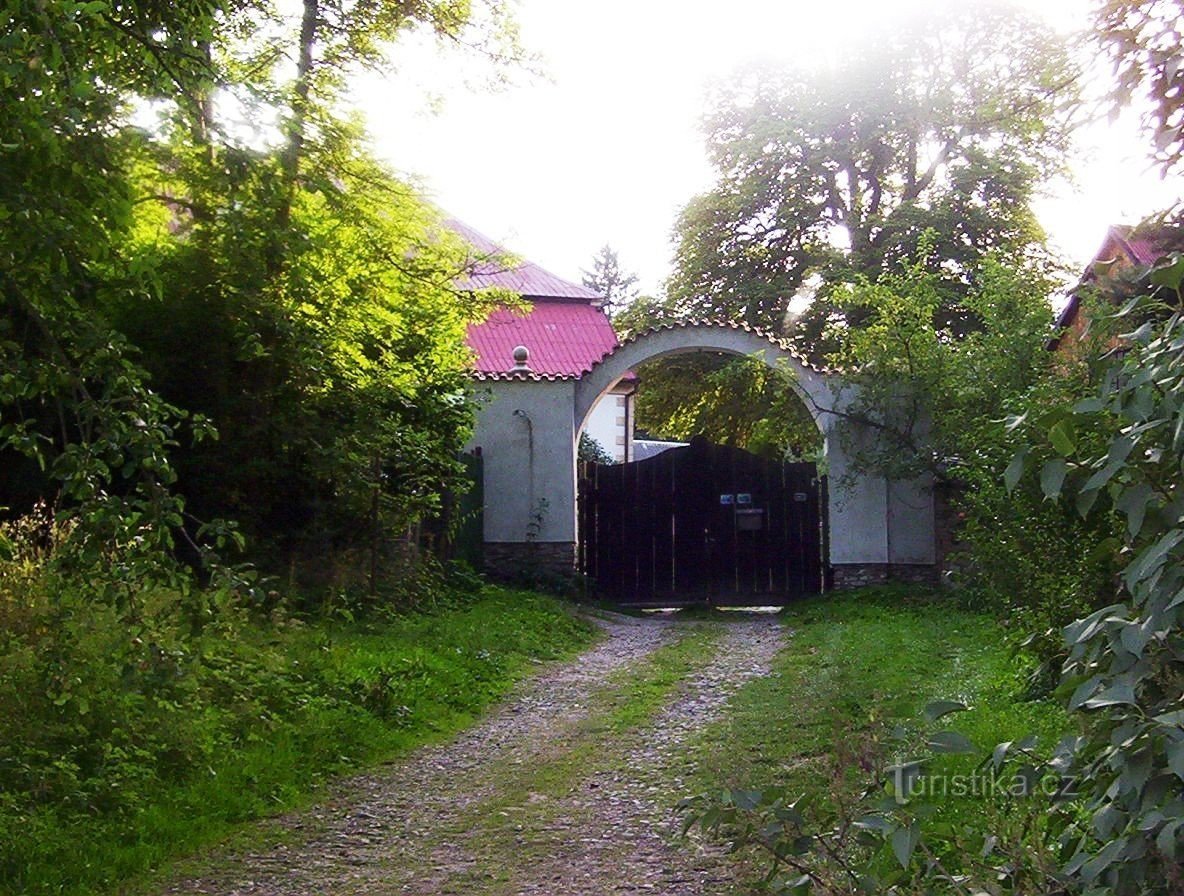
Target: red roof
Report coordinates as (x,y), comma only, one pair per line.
(1141,246)
(565,339)
(565,330)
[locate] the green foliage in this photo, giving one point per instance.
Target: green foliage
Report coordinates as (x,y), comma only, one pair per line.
(922,147)
(78,423)
(944,123)
(130,740)
(280,284)
(925,394)
(338,382)
(591,451)
(1125,669)
(731,401)
(1101,811)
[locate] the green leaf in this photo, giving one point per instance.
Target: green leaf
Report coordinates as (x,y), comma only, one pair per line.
(1015,470)
(746,799)
(1116,694)
(1052,477)
(1170,274)
(950,742)
(904,843)
(940,708)
(875,823)
(1135,636)
(1063,437)
(1083,692)
(1175,751)
(1085,502)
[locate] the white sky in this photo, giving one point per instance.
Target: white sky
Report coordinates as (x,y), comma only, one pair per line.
(606,148)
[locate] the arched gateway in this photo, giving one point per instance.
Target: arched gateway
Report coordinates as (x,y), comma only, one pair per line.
(528,435)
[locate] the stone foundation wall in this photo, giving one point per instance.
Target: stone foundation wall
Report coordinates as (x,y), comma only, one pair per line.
(517,561)
(848,576)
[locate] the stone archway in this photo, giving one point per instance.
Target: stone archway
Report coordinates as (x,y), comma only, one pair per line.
(528,436)
(818,390)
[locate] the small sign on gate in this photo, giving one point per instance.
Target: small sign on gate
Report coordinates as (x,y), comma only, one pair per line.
(727,500)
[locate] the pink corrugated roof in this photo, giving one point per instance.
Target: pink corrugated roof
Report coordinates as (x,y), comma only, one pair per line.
(525,277)
(564,338)
(564,329)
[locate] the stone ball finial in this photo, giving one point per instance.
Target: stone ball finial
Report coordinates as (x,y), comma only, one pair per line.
(521,358)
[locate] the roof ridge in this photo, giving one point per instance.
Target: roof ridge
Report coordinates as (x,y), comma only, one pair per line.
(527,278)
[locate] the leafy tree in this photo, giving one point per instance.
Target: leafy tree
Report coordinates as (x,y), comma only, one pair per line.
(591,451)
(308,305)
(610,280)
(923,390)
(281,281)
(731,401)
(73,399)
(1143,41)
(945,125)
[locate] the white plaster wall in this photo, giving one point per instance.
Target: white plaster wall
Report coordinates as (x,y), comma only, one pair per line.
(911,527)
(857,511)
(871,521)
(602,425)
(517,474)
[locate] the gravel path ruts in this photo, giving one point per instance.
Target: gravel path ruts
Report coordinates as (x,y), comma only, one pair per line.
(418,826)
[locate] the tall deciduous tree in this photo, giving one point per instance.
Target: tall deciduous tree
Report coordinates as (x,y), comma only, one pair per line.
(308,306)
(279,280)
(947,123)
(73,400)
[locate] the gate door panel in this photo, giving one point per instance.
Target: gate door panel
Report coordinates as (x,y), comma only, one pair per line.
(702,524)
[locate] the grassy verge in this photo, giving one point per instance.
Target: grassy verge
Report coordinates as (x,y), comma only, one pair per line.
(129,771)
(849,691)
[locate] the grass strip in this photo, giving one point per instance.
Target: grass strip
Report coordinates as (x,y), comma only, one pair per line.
(509,831)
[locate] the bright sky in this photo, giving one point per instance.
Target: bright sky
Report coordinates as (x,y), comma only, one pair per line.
(605,148)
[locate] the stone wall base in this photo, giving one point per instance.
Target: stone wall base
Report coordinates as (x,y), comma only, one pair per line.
(848,576)
(530,561)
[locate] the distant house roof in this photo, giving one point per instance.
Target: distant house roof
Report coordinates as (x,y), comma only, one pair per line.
(525,277)
(1126,246)
(565,329)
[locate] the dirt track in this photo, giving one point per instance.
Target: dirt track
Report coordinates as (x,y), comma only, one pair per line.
(566,789)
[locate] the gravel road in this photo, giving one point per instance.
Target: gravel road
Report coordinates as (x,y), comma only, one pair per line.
(548,794)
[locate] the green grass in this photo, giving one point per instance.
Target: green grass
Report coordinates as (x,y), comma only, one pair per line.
(855,666)
(323,699)
(847,697)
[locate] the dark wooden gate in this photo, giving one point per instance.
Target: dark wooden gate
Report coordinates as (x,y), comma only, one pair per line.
(702,524)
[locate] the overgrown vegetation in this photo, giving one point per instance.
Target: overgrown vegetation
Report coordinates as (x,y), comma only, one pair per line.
(232,382)
(133,737)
